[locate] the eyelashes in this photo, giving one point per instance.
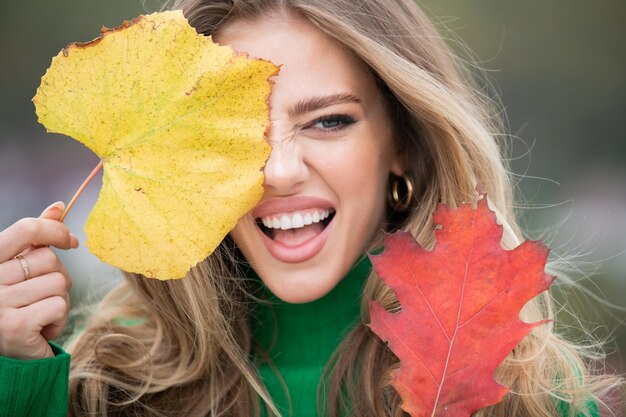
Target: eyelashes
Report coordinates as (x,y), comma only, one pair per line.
(331,122)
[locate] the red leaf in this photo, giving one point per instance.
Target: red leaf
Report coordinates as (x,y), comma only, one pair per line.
(460,310)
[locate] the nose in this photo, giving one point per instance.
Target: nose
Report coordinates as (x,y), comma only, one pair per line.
(285,170)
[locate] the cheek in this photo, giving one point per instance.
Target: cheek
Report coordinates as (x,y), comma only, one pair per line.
(358,175)
(359,171)
(243,234)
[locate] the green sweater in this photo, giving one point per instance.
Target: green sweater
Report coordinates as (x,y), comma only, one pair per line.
(35,388)
(298,338)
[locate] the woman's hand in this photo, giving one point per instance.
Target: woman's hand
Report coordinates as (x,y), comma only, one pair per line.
(34,284)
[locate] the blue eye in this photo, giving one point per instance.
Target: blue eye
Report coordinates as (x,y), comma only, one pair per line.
(332,122)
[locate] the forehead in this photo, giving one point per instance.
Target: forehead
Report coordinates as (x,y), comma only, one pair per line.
(311,62)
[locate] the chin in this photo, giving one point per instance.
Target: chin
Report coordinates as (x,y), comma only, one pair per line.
(300,284)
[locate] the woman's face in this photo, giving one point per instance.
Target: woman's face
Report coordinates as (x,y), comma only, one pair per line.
(332,152)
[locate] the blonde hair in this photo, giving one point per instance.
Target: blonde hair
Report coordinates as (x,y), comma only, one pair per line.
(190,350)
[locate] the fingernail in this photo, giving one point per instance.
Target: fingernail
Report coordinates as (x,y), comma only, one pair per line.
(74,240)
(59,204)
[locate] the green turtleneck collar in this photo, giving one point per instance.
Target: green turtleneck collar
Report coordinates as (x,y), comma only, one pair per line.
(300,339)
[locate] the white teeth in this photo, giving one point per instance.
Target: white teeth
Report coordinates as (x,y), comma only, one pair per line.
(295,220)
(285,222)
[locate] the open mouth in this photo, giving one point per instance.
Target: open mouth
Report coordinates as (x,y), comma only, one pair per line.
(293,229)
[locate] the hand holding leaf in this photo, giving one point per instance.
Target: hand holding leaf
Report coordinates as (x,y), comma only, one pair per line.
(179,124)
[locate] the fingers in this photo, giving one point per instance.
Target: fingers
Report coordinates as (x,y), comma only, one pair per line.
(31,313)
(36,289)
(54,329)
(39,262)
(30,232)
(21,328)
(53,211)
(49,311)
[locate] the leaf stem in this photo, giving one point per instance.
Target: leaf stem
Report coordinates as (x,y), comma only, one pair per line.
(80,190)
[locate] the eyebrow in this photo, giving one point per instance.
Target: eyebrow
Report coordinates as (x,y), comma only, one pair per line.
(316,103)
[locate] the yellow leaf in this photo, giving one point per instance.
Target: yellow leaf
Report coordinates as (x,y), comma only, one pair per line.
(179,124)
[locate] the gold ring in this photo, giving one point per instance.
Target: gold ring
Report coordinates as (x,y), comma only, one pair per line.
(24,266)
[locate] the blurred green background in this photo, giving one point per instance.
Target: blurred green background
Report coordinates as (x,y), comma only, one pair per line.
(558,68)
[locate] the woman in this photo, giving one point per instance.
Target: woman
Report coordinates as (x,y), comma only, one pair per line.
(369,100)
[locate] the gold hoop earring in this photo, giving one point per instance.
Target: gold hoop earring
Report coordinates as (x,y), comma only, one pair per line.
(393,196)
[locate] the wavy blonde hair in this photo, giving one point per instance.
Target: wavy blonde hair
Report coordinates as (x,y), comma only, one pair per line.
(188,351)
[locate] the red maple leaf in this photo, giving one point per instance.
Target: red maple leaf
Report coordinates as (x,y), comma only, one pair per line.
(460,310)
